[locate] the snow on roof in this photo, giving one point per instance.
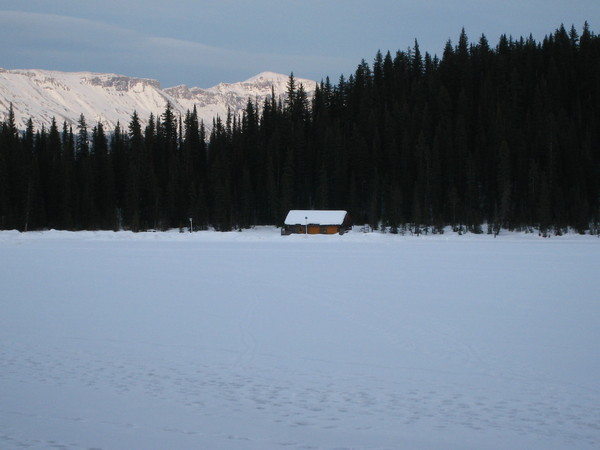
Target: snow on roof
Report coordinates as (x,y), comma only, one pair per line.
(315,217)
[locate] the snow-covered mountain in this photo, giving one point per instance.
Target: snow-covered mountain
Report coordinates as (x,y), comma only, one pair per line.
(109,98)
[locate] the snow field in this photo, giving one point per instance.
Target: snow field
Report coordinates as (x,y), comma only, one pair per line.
(251,340)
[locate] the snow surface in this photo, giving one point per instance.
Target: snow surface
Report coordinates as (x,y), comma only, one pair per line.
(315,217)
(250,340)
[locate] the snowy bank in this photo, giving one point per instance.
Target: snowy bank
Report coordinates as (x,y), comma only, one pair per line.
(253,340)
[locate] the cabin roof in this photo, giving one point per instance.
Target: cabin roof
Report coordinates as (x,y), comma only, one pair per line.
(315,217)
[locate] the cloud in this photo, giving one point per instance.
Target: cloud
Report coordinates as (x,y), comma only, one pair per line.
(61,42)
(24,28)
(173,50)
(50,41)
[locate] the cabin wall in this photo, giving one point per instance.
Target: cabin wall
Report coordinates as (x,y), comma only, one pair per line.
(310,229)
(314,229)
(330,229)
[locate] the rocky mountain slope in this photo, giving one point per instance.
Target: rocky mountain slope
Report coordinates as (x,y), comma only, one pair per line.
(42,95)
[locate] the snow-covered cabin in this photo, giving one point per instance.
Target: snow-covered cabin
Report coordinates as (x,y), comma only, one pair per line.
(316,222)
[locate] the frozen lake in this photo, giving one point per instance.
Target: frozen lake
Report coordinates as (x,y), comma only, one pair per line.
(250,340)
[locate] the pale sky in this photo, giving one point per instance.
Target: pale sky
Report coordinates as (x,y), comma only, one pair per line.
(204,42)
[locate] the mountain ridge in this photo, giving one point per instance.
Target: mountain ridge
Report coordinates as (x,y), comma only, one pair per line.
(110,98)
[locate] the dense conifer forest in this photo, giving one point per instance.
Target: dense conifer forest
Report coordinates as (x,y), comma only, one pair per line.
(482,138)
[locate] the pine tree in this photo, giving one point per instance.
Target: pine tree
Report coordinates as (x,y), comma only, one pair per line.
(104,187)
(53,166)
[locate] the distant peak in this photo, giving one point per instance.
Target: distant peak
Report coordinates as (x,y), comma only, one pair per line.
(266,76)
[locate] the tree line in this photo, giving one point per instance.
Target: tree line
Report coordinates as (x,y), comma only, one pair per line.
(480,139)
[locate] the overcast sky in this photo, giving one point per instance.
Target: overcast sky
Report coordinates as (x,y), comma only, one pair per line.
(203,42)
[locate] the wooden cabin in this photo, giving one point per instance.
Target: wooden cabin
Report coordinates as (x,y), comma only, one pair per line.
(316,222)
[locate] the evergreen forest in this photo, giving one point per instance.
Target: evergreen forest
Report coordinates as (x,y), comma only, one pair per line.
(480,139)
